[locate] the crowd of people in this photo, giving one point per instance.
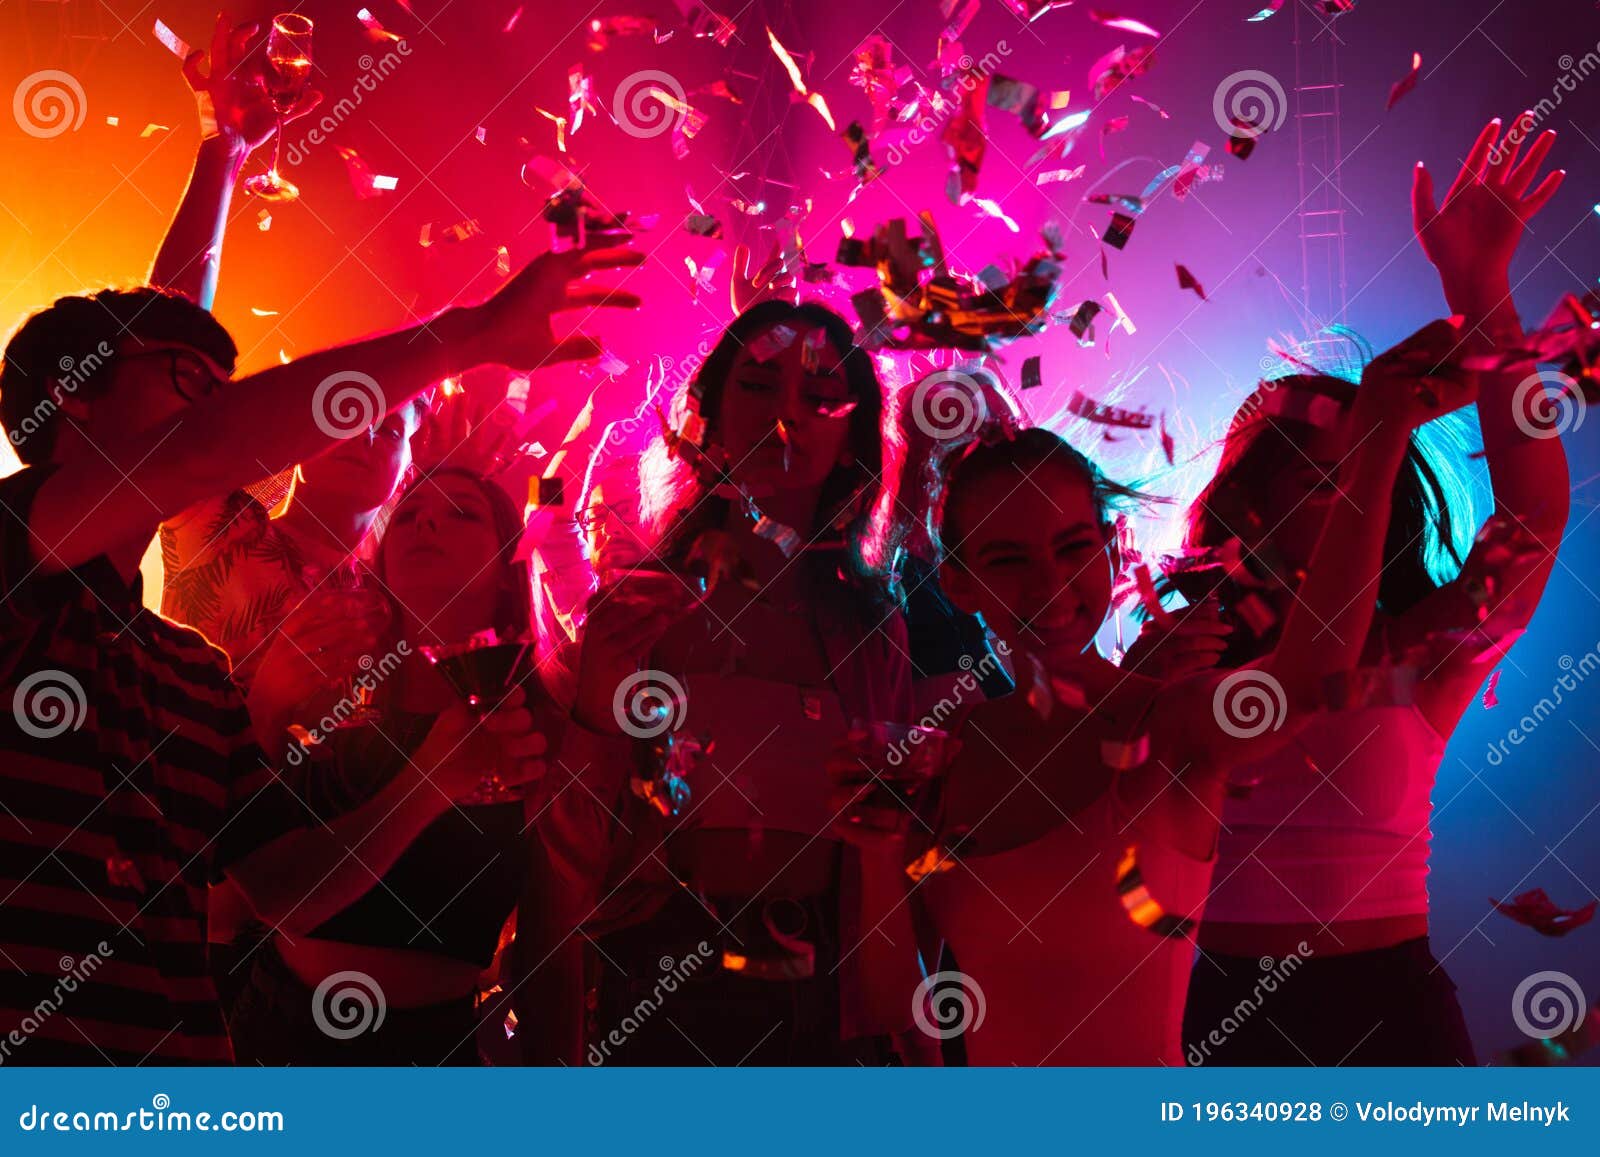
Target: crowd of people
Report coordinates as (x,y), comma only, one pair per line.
(816,717)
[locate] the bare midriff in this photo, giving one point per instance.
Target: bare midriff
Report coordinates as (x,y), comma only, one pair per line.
(1337,939)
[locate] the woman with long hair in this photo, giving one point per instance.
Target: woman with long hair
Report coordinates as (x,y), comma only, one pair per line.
(1078,821)
(721,709)
(446,864)
(1324,851)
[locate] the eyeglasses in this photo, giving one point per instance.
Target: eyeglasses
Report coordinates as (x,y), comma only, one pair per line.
(192,375)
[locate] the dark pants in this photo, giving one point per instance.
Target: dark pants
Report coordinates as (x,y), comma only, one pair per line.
(275,1021)
(1389,1006)
(665,1000)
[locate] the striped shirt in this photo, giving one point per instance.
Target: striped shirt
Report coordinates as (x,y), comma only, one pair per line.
(128,774)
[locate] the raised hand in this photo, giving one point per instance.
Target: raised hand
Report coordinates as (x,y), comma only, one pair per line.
(464,748)
(1471,238)
(1194,642)
(514,325)
(230,77)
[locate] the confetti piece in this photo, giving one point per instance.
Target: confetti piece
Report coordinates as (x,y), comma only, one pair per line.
(1123,320)
(1032,377)
(1186,280)
(362,179)
(374,27)
(175,44)
(1168,446)
(255,312)
(152,129)
(1033,9)
(263,220)
(1406,83)
(1149,599)
(1539,912)
(1242,142)
(1490,697)
(992,209)
(788,62)
(1269,11)
(1153,107)
(113,121)
(1118,232)
(1125,756)
(703,225)
(1090,410)
(385,184)
(502,261)
(1056,176)
(1118,65)
(1143,908)
(512,23)
(1083,320)
(1122,23)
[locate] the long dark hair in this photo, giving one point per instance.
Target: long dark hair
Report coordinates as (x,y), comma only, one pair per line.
(675,504)
(1260,448)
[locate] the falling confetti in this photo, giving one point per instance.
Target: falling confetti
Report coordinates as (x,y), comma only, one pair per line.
(1406,83)
(1186,280)
(1122,23)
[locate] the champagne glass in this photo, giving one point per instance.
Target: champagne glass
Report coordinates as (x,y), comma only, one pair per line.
(909,784)
(482,670)
(287,75)
(347,591)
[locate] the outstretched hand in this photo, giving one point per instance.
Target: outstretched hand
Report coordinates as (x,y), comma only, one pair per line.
(1471,238)
(515,322)
(231,76)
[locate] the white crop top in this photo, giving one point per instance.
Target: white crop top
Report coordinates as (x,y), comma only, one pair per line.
(1336,828)
(1047,949)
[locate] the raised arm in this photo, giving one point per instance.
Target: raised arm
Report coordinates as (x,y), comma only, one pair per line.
(1471,240)
(1327,626)
(236,118)
(269,421)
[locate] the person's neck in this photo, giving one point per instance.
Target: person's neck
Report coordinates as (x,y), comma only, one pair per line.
(796,509)
(451,619)
(333,527)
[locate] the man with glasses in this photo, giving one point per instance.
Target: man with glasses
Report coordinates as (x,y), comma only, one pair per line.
(128,770)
